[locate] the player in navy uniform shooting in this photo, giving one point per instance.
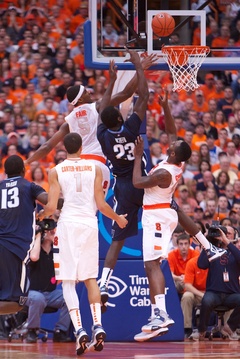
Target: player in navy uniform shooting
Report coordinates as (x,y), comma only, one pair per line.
(117,140)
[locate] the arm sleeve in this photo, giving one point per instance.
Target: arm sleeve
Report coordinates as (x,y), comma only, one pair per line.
(203,261)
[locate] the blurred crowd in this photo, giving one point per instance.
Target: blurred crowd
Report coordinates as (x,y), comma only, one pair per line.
(42,54)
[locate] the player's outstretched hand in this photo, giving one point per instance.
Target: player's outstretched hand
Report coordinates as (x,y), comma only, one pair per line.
(122,221)
(148,60)
(163,100)
(134,57)
(112,71)
(139,147)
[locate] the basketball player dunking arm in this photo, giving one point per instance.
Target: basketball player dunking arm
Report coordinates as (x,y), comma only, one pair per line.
(84,119)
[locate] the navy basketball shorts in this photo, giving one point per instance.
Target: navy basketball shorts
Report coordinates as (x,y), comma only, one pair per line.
(128,199)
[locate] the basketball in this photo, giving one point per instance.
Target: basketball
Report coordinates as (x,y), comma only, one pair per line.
(163,24)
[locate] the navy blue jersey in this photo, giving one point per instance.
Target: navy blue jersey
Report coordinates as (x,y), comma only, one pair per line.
(17,214)
(118,146)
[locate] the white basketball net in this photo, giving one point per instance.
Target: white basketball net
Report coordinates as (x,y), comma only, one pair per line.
(184,63)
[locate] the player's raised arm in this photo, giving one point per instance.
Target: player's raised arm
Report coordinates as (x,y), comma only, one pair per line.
(46,147)
(170,127)
(104,102)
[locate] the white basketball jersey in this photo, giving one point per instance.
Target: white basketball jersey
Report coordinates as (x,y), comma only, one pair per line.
(84,120)
(76,178)
(156,194)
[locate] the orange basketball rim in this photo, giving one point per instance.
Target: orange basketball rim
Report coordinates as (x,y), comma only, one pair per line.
(184,62)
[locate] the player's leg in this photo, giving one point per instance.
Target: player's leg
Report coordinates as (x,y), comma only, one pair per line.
(73,266)
(188,224)
(128,200)
(157,229)
(13,274)
(94,298)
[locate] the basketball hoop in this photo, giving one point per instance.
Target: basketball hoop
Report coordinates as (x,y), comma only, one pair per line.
(184,63)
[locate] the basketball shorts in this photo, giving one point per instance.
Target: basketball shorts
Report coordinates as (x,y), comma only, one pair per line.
(14,281)
(158,226)
(76,249)
(128,199)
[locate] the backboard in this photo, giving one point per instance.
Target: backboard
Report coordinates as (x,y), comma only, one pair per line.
(132,19)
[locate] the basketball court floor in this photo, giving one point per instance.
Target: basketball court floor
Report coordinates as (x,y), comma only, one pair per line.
(217,349)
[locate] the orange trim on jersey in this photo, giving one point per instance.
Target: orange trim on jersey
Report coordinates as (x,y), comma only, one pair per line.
(156,206)
(56,265)
(157,248)
(94,157)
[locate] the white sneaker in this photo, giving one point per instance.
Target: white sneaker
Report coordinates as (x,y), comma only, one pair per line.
(81,341)
(98,337)
(213,252)
(196,336)
(227,332)
(142,337)
(161,320)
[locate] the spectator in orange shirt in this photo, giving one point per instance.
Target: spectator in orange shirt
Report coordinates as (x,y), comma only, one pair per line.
(48,110)
(19,88)
(80,18)
(178,259)
(36,62)
(219,91)
(199,136)
(194,289)
(200,104)
(164,142)
(57,77)
(38,176)
(208,87)
(221,41)
(180,126)
(7,89)
(57,21)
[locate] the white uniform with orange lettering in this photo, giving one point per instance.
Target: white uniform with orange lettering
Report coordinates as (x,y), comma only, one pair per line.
(84,121)
(158,219)
(76,243)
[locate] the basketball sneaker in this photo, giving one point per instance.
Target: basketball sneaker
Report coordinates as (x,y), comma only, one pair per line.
(81,341)
(143,337)
(32,336)
(213,252)
(196,336)
(161,320)
(98,337)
